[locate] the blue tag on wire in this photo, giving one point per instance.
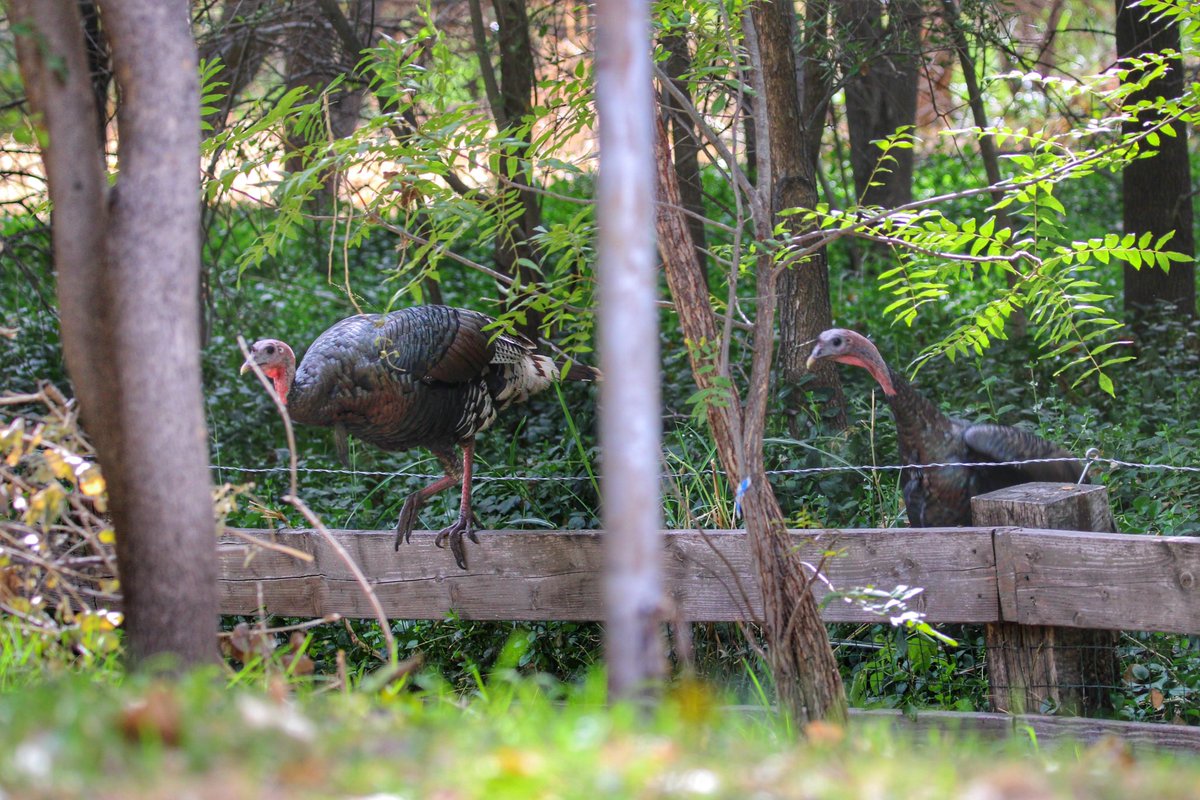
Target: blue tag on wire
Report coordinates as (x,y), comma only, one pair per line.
(741,492)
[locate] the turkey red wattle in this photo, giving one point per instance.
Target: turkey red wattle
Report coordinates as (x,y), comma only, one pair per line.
(882,375)
(280,380)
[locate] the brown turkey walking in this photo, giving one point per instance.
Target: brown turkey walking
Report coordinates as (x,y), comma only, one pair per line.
(941,496)
(427,376)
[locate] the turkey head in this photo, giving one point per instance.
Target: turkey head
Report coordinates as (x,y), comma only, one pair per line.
(277,361)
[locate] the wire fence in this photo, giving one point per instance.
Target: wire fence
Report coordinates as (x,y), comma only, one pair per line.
(1088,462)
(1151,684)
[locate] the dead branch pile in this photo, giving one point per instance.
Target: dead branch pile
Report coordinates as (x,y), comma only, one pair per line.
(57,565)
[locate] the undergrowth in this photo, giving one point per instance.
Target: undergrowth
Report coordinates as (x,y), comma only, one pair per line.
(539,463)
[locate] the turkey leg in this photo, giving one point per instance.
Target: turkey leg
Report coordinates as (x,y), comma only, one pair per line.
(412,504)
(466,517)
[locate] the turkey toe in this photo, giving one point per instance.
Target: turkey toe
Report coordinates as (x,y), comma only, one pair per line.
(408,518)
(455,534)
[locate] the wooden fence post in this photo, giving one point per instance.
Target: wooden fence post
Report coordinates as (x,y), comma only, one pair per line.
(1038,668)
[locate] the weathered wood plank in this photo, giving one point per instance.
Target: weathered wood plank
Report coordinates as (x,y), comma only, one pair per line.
(994,725)
(1100,580)
(1073,579)
(541,575)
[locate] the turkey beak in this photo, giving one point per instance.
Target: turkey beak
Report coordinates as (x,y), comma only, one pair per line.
(812,358)
(245,368)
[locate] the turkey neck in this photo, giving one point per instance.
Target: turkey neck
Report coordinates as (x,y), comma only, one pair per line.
(917,419)
(282,377)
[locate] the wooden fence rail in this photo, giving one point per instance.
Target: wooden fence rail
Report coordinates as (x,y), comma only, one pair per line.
(970,575)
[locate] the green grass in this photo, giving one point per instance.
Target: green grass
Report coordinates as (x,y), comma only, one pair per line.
(518,738)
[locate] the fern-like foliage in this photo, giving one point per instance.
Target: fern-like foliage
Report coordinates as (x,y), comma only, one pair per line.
(1048,274)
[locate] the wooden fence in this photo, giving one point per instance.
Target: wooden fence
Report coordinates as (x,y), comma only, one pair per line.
(1048,597)
(970,575)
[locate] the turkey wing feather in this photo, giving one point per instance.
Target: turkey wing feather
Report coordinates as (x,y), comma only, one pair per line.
(1005,443)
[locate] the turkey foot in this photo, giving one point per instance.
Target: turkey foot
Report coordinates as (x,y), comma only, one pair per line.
(464,524)
(456,472)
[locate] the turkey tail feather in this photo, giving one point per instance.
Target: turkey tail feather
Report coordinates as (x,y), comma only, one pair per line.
(582,372)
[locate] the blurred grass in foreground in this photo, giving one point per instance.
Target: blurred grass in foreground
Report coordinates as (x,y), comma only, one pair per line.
(515,737)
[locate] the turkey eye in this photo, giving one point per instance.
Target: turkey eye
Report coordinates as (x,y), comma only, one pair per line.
(837,341)
(270,349)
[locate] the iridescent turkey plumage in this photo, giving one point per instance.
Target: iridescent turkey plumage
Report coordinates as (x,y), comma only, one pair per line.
(426,376)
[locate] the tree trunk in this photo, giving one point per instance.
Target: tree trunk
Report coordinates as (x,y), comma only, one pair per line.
(518,207)
(99,63)
(1017,322)
(353,42)
(241,48)
(881,65)
(313,61)
(128,265)
(166,539)
(50,38)
(630,404)
(685,143)
(803,666)
(685,278)
(802,663)
(795,118)
(1157,191)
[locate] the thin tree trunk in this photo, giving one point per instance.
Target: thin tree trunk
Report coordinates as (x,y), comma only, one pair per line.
(99,63)
(751,135)
(802,662)
(50,37)
(795,118)
(1157,192)
(685,278)
(241,49)
(520,214)
(685,142)
(630,405)
(313,61)
(1017,323)
(353,43)
(987,142)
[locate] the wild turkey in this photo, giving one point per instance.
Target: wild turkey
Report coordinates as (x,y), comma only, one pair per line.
(427,376)
(941,496)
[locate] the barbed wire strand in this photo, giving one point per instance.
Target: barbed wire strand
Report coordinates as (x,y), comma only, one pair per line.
(1088,462)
